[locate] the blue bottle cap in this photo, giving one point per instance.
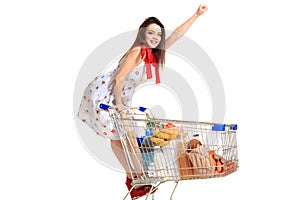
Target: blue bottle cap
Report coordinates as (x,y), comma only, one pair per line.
(148,132)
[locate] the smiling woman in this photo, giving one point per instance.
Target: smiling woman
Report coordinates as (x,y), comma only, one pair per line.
(153,35)
(150,45)
(118,86)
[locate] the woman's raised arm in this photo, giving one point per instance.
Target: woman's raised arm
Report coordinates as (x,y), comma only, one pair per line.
(182,29)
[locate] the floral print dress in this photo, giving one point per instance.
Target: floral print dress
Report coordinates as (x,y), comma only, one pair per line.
(100,90)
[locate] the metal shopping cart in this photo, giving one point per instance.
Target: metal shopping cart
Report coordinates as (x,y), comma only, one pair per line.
(160,150)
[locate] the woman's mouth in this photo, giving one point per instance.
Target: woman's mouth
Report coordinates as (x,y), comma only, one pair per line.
(153,42)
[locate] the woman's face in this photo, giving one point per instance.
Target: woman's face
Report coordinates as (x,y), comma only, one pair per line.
(153,35)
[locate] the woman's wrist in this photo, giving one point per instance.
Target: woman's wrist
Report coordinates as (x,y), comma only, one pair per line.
(197,14)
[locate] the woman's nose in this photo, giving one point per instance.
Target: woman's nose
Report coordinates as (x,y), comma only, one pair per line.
(155,37)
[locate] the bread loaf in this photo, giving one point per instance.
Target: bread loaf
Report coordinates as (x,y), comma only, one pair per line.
(193,143)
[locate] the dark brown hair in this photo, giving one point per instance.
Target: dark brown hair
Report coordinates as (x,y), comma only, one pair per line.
(159,51)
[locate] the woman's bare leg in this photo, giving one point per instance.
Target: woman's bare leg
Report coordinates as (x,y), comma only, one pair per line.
(117,148)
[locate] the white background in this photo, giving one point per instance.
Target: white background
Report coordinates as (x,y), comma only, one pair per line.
(43,44)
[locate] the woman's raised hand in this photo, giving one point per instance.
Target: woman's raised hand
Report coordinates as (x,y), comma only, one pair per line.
(202,9)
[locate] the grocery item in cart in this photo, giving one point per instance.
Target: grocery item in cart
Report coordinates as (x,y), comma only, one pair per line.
(221,164)
(200,159)
(194,160)
(200,149)
(159,162)
(186,170)
(147,145)
(147,152)
(162,137)
(193,143)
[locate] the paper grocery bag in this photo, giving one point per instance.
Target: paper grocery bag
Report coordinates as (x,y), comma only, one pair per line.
(186,170)
(200,159)
(181,148)
(184,164)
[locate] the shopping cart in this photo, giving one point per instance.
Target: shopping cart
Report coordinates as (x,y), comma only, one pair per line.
(160,150)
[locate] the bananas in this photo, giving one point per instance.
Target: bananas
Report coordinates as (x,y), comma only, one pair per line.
(164,136)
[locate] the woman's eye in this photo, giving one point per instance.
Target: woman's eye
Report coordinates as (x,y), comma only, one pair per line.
(150,33)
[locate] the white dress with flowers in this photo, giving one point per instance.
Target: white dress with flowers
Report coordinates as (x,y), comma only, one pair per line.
(100,90)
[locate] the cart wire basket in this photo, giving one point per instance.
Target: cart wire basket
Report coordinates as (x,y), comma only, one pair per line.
(160,150)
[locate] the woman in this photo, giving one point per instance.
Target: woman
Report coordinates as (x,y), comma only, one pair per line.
(117,87)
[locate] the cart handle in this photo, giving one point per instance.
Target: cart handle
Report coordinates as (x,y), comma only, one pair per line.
(221,127)
(106,107)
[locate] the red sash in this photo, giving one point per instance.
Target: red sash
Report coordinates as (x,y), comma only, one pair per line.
(149,59)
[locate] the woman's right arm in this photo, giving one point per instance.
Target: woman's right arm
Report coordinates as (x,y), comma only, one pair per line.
(133,58)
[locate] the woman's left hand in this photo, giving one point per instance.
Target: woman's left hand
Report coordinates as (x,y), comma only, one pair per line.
(120,107)
(202,9)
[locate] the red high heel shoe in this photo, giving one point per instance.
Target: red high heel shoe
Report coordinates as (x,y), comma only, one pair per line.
(138,192)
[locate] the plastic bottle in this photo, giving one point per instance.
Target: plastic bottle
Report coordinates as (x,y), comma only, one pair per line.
(147,151)
(160,163)
(148,132)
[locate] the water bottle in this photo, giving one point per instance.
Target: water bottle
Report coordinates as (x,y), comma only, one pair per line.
(160,163)
(147,151)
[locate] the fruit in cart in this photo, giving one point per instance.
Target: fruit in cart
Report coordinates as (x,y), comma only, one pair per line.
(166,131)
(169,125)
(159,141)
(164,136)
(156,140)
(173,137)
(170,131)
